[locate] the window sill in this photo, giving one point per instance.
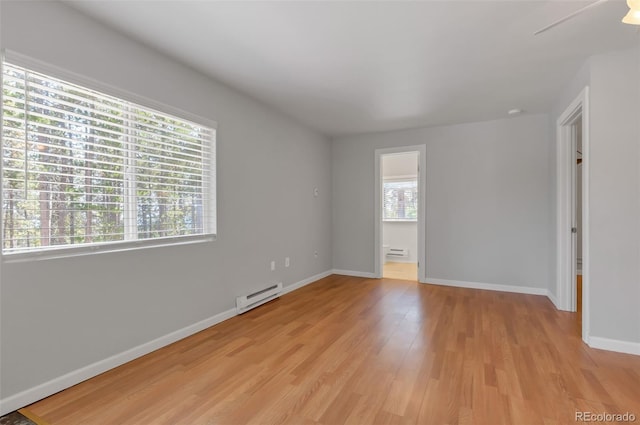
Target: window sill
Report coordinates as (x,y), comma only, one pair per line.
(400,221)
(67,251)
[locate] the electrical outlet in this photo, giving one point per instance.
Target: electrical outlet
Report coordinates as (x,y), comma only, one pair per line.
(287,262)
(273,265)
(316,192)
(315,254)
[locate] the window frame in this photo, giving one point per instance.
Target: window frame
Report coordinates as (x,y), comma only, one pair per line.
(409,178)
(62,251)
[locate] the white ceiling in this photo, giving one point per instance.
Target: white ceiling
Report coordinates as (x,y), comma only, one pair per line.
(347,67)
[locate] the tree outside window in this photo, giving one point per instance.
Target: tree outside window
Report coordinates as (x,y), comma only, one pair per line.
(82,167)
(400,200)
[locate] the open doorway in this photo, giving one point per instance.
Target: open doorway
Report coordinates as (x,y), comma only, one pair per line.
(573,210)
(578,212)
(399,206)
(400,215)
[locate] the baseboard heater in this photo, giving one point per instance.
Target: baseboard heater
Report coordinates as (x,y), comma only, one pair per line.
(247,302)
(398,252)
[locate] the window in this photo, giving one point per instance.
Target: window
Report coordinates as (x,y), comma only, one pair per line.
(400,200)
(81,167)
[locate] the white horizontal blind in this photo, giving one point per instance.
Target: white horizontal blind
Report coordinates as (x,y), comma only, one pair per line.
(83,167)
(400,200)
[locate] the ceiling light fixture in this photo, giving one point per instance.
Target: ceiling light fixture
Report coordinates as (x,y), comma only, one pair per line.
(633,17)
(514,111)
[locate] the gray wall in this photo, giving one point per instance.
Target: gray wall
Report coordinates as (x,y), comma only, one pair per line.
(615,196)
(578,194)
(61,315)
(614,204)
(490,206)
(487,200)
(571,91)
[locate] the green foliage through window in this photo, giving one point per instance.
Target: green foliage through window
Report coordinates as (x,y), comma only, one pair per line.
(82,167)
(400,200)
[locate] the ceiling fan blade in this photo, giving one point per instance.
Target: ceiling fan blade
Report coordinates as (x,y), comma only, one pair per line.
(571,16)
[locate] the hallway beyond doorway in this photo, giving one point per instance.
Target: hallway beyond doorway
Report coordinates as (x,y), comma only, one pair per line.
(403,271)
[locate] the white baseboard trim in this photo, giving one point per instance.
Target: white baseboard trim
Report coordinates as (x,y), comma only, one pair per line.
(354,273)
(553,299)
(75,377)
(627,347)
(60,383)
(489,286)
(305,282)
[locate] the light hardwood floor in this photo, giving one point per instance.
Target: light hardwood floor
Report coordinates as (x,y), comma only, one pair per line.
(366,351)
(404,271)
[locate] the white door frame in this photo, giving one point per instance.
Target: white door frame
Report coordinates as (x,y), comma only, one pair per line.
(422,190)
(565,214)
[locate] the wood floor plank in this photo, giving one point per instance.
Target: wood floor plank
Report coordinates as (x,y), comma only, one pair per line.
(348,350)
(396,270)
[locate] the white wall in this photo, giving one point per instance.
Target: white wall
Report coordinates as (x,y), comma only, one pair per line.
(400,165)
(401,234)
(487,200)
(61,315)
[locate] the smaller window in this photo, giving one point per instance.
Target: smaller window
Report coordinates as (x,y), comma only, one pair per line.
(400,200)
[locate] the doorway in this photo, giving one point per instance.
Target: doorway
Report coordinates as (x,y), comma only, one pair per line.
(572,150)
(577,195)
(399,218)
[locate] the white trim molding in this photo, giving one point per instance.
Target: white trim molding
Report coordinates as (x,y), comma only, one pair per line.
(378,254)
(553,299)
(60,383)
(353,273)
(305,282)
(37,65)
(565,207)
(489,286)
(627,347)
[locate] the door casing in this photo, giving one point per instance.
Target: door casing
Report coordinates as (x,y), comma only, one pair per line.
(422,190)
(566,135)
